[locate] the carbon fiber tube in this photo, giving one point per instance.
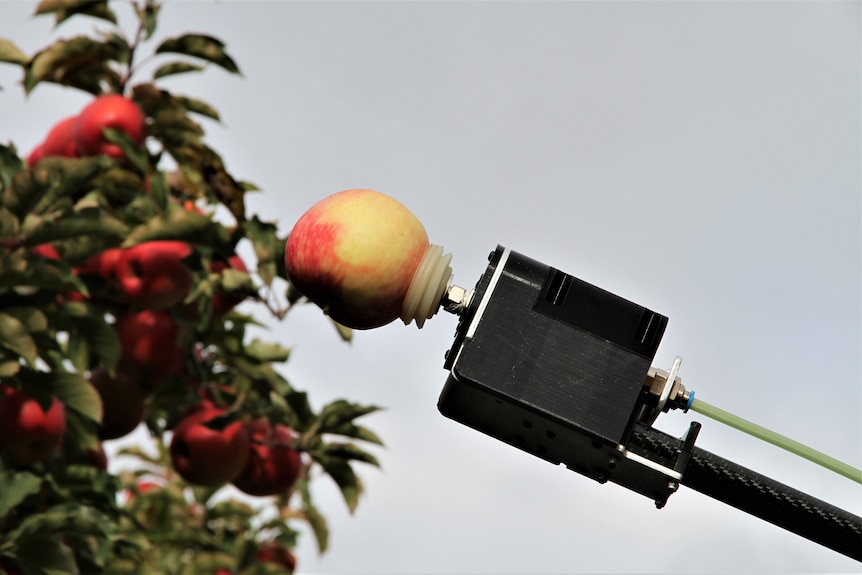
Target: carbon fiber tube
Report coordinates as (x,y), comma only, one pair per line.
(757,494)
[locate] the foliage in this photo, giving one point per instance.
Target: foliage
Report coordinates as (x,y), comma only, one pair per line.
(67,514)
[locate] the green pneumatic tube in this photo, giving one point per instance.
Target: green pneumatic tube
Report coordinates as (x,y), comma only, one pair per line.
(776,439)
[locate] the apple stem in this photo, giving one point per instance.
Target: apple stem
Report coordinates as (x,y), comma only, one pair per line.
(430,282)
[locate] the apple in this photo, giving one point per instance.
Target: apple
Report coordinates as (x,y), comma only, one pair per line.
(26,430)
(35,155)
(152,274)
(273,466)
(206,456)
(355,254)
(60,140)
(108,111)
(275,552)
(46,251)
(224,302)
(123,402)
(103,264)
(148,340)
(97,457)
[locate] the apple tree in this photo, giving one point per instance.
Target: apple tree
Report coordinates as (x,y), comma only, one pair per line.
(120,279)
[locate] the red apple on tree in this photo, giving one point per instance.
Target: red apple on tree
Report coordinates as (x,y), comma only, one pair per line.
(275,552)
(224,302)
(365,260)
(46,251)
(152,274)
(30,433)
(108,111)
(103,264)
(35,155)
(60,140)
(123,402)
(273,465)
(97,457)
(205,455)
(148,340)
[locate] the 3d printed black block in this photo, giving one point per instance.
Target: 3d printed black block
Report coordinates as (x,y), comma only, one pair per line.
(549,363)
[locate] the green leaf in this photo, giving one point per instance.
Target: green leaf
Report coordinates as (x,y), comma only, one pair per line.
(86,222)
(10,164)
(315,519)
(182,225)
(172,68)
(134,153)
(344,476)
(200,46)
(347,451)
(33,319)
(15,487)
(298,401)
(354,431)
(10,53)
(45,555)
(9,367)
(15,337)
(199,107)
(80,431)
(142,454)
(233,280)
(341,411)
(65,9)
(65,517)
(148,17)
(268,248)
(344,332)
(9,224)
(29,275)
(71,388)
(267,352)
(53,179)
(80,62)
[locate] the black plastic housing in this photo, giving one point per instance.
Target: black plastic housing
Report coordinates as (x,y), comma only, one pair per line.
(555,366)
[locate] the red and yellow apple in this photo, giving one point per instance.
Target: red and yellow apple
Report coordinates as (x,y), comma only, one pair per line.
(108,111)
(207,456)
(30,433)
(354,254)
(273,465)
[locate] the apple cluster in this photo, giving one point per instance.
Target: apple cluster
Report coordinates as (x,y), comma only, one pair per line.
(83,135)
(146,289)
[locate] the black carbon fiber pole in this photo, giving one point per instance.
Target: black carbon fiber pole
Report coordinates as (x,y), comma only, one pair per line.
(758,495)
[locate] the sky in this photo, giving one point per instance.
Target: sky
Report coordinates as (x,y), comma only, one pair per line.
(701,159)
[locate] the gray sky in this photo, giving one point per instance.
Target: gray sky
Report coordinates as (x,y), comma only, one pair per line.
(700,159)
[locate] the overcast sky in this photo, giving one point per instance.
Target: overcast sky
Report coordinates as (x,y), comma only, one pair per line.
(700,159)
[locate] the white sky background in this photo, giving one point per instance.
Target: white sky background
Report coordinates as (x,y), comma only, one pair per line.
(700,159)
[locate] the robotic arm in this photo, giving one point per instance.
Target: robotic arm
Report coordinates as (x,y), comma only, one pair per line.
(560,369)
